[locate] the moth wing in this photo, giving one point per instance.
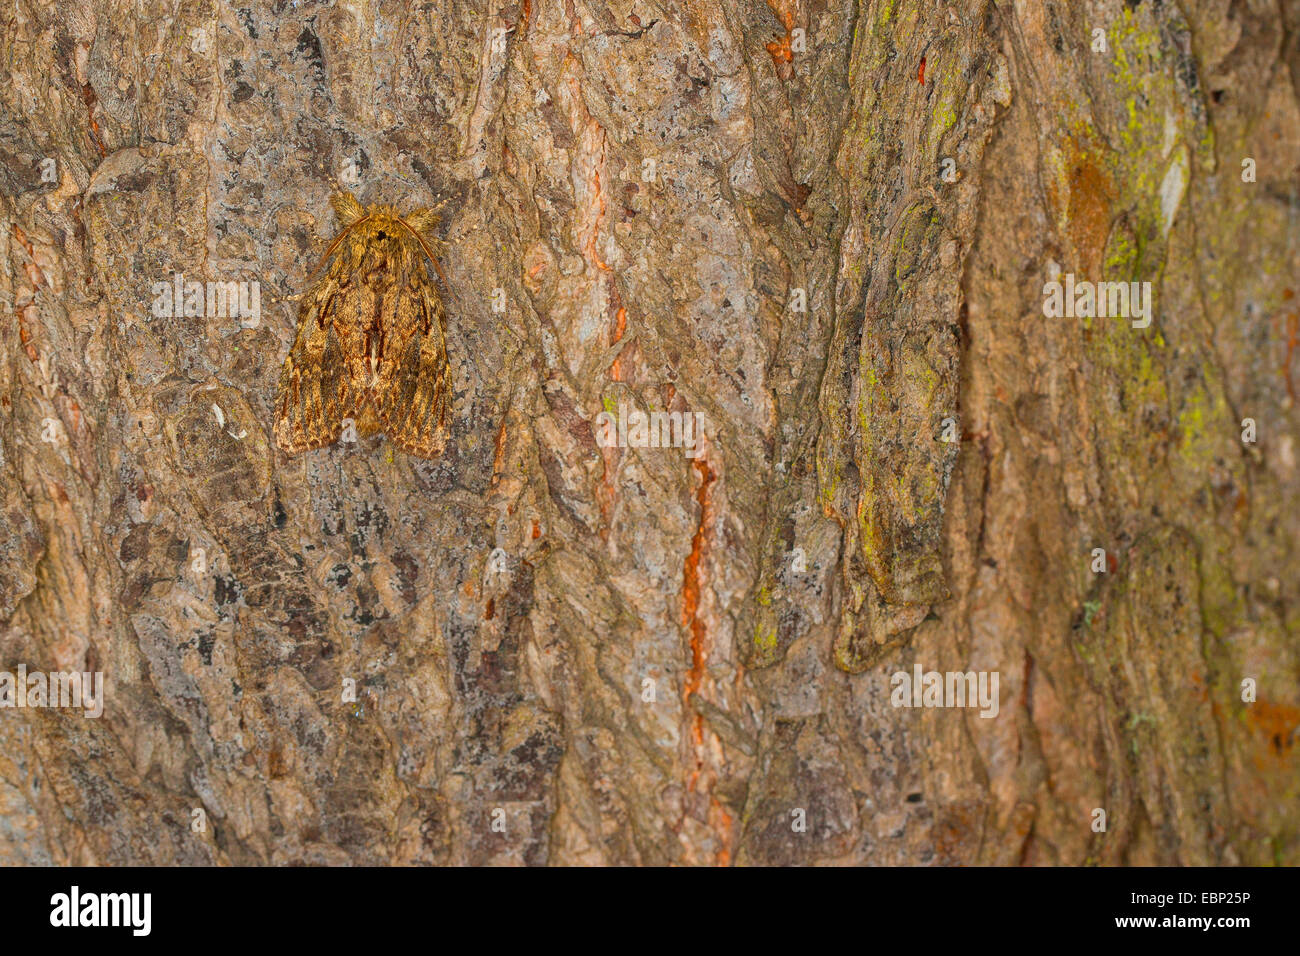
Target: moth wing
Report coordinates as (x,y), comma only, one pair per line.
(413,393)
(317,387)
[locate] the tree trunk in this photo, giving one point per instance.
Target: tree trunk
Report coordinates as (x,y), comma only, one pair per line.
(823,231)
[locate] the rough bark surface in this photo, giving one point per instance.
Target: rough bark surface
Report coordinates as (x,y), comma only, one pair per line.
(655,187)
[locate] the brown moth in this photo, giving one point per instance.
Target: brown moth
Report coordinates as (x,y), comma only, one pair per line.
(371,343)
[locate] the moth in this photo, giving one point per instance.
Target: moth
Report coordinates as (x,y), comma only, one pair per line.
(371,340)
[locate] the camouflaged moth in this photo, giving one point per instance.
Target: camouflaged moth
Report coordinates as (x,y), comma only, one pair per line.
(371,343)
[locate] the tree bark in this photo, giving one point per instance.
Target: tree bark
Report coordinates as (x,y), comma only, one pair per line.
(740,212)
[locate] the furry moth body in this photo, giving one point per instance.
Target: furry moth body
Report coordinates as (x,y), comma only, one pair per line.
(371,342)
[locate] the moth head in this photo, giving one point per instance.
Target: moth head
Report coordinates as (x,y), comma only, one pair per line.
(347,207)
(382,223)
